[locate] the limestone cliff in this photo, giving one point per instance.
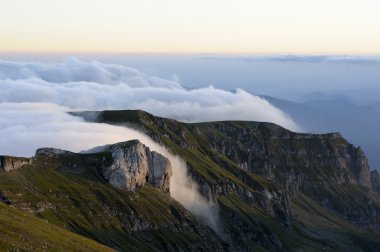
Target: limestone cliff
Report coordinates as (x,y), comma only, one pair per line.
(133,165)
(126,165)
(13,163)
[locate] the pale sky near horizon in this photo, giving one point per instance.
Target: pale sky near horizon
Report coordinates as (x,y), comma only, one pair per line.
(196,26)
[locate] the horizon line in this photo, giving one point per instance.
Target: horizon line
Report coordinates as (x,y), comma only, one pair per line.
(73,53)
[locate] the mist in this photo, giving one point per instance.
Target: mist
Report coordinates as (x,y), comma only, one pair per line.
(185,190)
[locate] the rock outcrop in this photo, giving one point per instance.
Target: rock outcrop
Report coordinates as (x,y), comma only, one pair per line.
(13,163)
(50,152)
(126,165)
(134,165)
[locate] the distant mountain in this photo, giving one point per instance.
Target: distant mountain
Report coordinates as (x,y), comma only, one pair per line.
(276,190)
(371,94)
(322,97)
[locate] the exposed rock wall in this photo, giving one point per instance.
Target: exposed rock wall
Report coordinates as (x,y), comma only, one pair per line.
(294,160)
(13,163)
(134,165)
(50,152)
(131,166)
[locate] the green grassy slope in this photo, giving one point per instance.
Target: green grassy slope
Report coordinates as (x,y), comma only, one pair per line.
(147,219)
(25,232)
(257,214)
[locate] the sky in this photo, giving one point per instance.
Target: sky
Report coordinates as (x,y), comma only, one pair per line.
(190,60)
(197,26)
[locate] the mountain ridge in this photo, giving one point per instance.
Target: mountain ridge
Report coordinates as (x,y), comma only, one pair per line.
(276,190)
(194,143)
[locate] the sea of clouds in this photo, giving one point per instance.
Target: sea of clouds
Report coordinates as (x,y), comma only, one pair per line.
(80,85)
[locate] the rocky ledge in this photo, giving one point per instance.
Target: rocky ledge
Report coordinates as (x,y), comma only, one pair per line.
(8,163)
(126,165)
(134,164)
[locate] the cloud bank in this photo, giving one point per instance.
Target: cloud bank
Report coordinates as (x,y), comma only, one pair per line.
(95,86)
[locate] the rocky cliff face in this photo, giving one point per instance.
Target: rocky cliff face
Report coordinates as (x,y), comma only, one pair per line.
(293,160)
(13,163)
(325,167)
(134,165)
(126,165)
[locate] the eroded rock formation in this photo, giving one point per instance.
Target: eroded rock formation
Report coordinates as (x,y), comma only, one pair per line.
(126,165)
(13,163)
(134,165)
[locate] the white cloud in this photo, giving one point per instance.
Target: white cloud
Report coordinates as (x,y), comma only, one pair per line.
(96,86)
